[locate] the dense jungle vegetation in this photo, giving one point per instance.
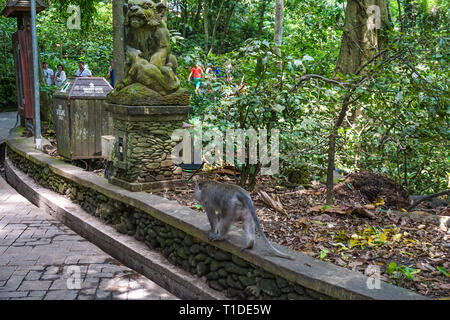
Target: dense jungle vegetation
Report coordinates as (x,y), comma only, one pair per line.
(342,94)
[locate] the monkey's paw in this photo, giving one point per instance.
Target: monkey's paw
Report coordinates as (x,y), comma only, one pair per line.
(214,236)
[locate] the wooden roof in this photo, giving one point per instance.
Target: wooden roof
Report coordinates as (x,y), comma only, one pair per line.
(16,8)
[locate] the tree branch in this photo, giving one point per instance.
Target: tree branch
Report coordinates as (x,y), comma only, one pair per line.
(316,76)
(431,196)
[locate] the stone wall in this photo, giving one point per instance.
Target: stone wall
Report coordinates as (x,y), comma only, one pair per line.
(221,270)
(148,148)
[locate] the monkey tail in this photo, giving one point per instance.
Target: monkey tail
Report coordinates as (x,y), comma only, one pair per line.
(246,199)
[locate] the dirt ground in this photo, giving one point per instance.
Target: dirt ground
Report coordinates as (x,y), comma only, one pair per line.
(367,226)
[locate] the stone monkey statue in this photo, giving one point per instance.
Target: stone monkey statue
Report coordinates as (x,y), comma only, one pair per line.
(150,69)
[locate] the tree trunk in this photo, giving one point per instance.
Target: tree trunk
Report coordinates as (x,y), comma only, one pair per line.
(262,11)
(361,40)
(119,40)
(197,15)
(226,25)
(185,13)
(213,36)
(278,32)
(206,24)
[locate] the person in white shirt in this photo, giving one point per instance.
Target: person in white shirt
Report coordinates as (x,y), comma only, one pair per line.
(82,72)
(48,74)
(60,76)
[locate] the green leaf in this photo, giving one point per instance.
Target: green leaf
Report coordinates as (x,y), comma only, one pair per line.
(444,271)
(324,253)
(392,268)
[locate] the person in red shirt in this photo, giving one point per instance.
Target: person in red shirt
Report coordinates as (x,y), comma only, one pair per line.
(197,73)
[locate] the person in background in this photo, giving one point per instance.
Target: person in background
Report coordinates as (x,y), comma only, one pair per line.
(197,73)
(82,71)
(217,71)
(111,75)
(60,76)
(48,74)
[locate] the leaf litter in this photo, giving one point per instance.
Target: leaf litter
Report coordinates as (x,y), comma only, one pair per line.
(366,227)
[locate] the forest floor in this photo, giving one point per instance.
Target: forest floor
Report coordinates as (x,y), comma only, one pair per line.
(366,227)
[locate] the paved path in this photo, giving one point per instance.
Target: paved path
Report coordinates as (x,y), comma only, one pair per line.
(40,258)
(7,121)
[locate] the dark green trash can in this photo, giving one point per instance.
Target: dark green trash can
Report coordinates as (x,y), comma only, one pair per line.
(80,117)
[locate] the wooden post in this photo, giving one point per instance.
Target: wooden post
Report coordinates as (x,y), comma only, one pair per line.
(119,40)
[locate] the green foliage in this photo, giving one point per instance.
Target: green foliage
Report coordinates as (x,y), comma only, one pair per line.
(396,125)
(397,271)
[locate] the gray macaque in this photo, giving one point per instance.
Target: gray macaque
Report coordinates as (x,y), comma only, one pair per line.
(224,204)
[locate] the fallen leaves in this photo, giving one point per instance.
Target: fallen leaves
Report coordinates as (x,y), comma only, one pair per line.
(344,234)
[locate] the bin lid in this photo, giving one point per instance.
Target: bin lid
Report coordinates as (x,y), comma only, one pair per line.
(84,88)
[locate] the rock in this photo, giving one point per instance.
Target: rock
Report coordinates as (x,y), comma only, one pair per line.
(281,282)
(212,276)
(270,287)
(246,281)
(152,166)
(121,228)
(216,285)
(222,273)
(151,233)
(234,284)
(188,240)
(202,269)
(223,282)
(221,255)
(181,253)
(240,262)
(200,257)
(214,265)
(166,163)
(300,290)
(231,267)
(195,248)
(178,171)
(238,294)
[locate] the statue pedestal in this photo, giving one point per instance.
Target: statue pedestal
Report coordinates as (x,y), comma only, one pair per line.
(143,146)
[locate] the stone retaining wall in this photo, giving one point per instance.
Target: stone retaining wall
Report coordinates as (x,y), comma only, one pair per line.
(222,270)
(181,235)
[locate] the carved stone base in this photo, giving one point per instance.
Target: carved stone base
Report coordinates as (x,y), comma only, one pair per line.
(137,94)
(143,146)
(158,186)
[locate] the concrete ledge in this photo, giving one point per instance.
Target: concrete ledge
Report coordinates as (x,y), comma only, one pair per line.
(126,249)
(319,276)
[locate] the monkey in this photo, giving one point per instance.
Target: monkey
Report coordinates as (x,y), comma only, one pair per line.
(224,204)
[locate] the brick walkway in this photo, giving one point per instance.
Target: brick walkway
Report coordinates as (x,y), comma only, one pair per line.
(40,258)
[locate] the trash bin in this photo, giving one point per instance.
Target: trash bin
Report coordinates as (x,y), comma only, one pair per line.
(80,117)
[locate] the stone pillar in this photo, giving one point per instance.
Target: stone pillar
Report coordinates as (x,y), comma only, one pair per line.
(143,146)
